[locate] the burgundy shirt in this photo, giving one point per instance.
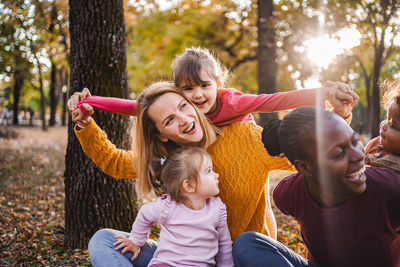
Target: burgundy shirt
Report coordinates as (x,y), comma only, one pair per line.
(364,231)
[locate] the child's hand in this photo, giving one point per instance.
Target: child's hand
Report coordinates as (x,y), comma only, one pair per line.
(80,118)
(77,115)
(125,243)
(341,98)
(76,97)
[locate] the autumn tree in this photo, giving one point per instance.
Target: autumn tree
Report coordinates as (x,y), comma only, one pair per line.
(14,52)
(94,200)
(266,53)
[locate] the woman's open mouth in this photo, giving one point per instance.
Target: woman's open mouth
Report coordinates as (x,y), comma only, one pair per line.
(357,177)
(191,130)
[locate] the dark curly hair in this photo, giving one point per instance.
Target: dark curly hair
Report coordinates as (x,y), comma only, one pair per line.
(291,136)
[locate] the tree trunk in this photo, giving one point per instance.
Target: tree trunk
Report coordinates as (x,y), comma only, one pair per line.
(94,200)
(375,97)
(54,88)
(369,105)
(54,94)
(64,89)
(18,82)
(42,102)
(266,54)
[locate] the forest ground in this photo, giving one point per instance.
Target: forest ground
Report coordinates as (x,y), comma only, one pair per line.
(32,201)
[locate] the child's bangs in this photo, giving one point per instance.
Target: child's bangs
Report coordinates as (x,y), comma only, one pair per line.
(189,75)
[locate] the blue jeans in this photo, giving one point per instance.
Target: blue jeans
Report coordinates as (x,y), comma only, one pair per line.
(102,251)
(255,249)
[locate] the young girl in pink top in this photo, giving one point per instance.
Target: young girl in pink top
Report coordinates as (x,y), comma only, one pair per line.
(194,229)
(200,76)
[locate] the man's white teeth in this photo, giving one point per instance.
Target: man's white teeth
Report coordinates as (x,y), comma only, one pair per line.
(191,128)
(360,171)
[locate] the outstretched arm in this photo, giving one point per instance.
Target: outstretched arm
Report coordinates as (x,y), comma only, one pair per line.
(288,100)
(111,104)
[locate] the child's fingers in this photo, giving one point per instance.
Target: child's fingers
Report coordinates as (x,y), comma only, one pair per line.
(344,87)
(72,103)
(342,96)
(355,97)
(135,255)
(89,109)
(120,239)
(77,115)
(124,250)
(122,245)
(85,93)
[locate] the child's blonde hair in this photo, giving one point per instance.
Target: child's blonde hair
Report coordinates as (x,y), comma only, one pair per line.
(149,148)
(183,163)
(186,67)
(391,89)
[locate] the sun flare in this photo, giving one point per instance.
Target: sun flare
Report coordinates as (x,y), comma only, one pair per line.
(322,50)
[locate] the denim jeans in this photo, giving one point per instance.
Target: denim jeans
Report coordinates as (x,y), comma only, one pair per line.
(255,249)
(102,251)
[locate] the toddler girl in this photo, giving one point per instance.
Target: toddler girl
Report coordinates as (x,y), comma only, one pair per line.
(384,150)
(200,76)
(194,230)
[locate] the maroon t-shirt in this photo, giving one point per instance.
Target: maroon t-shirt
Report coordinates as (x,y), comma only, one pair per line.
(364,231)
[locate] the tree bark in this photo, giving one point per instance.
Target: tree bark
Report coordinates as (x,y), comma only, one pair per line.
(54,88)
(266,54)
(94,200)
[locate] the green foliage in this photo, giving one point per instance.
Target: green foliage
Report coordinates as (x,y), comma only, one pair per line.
(25,27)
(156,36)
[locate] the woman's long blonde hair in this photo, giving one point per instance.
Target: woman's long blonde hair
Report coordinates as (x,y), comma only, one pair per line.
(149,147)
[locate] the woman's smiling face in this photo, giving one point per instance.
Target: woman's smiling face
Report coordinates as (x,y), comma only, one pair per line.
(338,163)
(176,120)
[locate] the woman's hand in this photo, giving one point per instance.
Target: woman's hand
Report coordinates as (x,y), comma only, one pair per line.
(78,116)
(125,243)
(341,98)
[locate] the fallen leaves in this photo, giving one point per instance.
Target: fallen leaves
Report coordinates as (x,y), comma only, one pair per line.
(32,201)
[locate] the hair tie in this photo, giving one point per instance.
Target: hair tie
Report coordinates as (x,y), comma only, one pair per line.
(163,159)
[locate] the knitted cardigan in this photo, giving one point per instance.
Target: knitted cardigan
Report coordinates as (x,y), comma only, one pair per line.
(238,156)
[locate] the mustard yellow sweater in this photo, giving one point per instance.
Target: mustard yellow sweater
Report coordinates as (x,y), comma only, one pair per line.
(238,156)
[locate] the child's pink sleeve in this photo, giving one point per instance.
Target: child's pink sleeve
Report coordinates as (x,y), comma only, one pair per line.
(145,218)
(224,256)
(111,104)
(248,103)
